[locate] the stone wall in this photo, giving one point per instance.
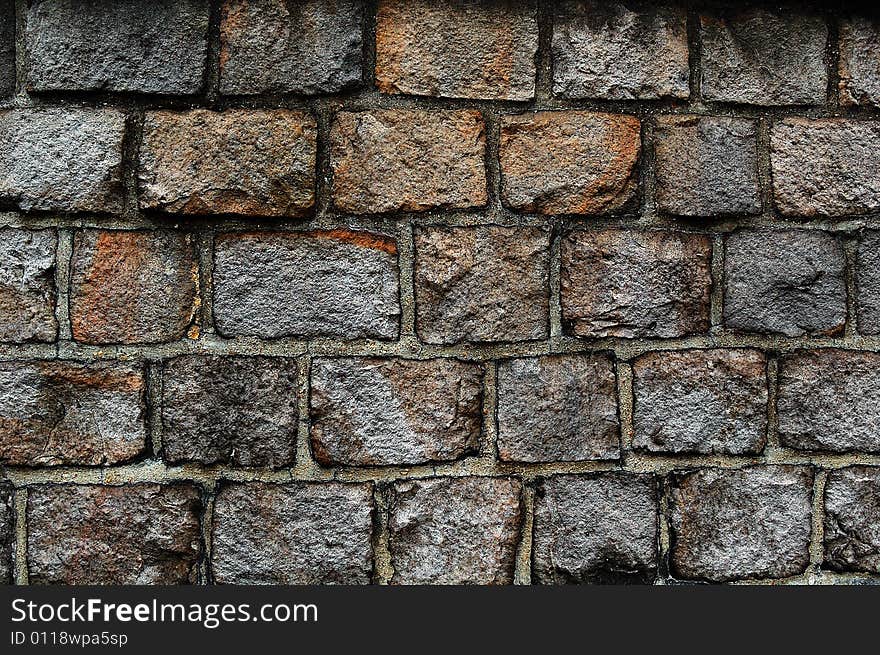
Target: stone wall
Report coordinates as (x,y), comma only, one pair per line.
(419,292)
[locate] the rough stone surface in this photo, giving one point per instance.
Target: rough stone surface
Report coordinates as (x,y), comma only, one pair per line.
(868,283)
(137,534)
(7,533)
(788,282)
(278,46)
(619,51)
(301,533)
(481,283)
(131,287)
(599,528)
(7,47)
(558,408)
(240,161)
(630,284)
(759,57)
(700,401)
(744,523)
(569,162)
(706,166)
(237,410)
(117,45)
(371,411)
(63,159)
(336,283)
(459,49)
(454,530)
(852,519)
(830,400)
(62,412)
(408,160)
(27,285)
(858,67)
(825,167)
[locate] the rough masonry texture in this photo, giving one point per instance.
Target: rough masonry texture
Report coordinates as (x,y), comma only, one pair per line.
(414,292)
(598,528)
(234,162)
(394,411)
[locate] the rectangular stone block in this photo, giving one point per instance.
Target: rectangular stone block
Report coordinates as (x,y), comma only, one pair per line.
(159,46)
(739,524)
(706,166)
(7,533)
(62,412)
(454,530)
(135,534)
(132,287)
(278,46)
(7,47)
(299,533)
(763,57)
(459,49)
(825,167)
(858,68)
(787,282)
(336,283)
(620,50)
(626,283)
(481,284)
(596,529)
(569,162)
(408,160)
(829,400)
(371,411)
(62,159)
(852,519)
(868,282)
(232,410)
(558,408)
(240,161)
(700,401)
(27,285)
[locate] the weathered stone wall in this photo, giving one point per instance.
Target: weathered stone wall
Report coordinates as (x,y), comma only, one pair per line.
(333,291)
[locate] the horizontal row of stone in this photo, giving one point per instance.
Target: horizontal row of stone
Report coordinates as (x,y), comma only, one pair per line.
(472,284)
(263,162)
(599,50)
(726,524)
(371,411)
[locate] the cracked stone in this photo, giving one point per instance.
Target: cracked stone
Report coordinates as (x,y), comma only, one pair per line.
(868,283)
(7,533)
